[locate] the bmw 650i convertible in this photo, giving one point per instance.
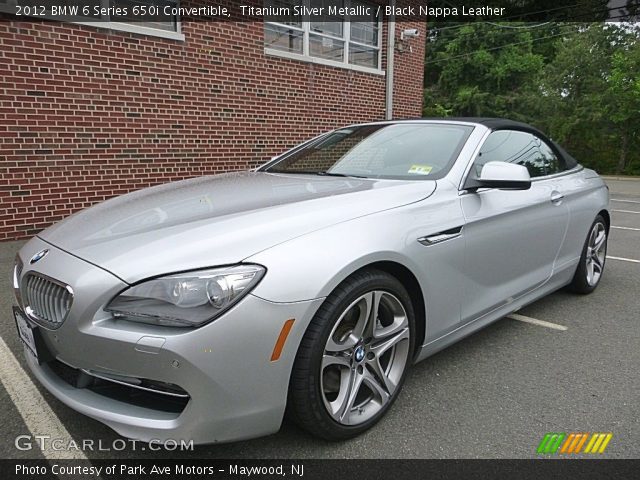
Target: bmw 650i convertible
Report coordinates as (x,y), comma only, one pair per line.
(205,308)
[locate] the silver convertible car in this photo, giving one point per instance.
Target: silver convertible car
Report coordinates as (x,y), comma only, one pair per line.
(204,309)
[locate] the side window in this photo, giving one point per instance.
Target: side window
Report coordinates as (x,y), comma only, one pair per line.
(521,148)
(553,164)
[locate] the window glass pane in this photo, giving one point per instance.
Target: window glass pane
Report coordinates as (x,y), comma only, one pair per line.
(552,163)
(365,30)
(407,151)
(283,38)
(326,47)
(294,20)
(330,25)
(365,33)
(364,56)
(513,147)
(150,13)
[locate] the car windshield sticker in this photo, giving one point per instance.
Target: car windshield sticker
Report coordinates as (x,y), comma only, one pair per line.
(420,169)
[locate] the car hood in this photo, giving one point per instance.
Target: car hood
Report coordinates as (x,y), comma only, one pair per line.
(218,220)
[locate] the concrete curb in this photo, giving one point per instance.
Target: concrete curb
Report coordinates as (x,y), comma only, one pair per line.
(628,178)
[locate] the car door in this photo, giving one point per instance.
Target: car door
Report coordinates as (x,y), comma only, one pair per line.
(512,236)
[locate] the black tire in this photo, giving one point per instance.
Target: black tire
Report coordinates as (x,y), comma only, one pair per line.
(306,403)
(580,282)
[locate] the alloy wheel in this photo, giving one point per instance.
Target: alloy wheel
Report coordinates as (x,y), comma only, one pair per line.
(365,357)
(596,251)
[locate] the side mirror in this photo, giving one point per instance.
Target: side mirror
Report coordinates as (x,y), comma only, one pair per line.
(502,175)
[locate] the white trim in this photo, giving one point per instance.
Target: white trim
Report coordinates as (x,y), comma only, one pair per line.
(132,28)
(623,259)
(626,228)
(306,29)
(625,201)
(346,34)
(321,61)
(109,25)
(345,39)
(287,25)
(535,321)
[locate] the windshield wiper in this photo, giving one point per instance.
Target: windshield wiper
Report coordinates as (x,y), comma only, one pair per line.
(293,172)
(311,172)
(333,174)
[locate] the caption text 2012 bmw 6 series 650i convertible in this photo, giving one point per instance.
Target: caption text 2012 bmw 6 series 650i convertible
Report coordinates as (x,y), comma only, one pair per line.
(201,309)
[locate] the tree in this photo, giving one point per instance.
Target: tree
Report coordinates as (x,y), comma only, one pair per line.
(480,69)
(623,108)
(591,96)
(578,82)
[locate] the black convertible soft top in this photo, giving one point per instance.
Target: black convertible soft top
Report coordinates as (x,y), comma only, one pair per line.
(505,124)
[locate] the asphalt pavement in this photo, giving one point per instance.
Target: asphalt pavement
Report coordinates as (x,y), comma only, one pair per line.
(493,395)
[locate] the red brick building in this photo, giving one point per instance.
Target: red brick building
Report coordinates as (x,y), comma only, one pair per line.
(89,111)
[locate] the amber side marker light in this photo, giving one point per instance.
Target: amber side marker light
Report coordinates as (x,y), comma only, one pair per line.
(282,338)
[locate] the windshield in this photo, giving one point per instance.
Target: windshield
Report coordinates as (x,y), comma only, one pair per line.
(396,151)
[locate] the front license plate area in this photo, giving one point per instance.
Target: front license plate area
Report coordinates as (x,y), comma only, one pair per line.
(30,335)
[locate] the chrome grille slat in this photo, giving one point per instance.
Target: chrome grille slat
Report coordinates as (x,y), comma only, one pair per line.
(52,295)
(36,298)
(47,301)
(48,298)
(58,307)
(39,287)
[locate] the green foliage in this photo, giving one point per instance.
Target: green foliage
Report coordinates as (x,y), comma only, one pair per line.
(578,82)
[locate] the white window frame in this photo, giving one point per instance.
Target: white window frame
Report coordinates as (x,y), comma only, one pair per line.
(139,29)
(109,25)
(305,56)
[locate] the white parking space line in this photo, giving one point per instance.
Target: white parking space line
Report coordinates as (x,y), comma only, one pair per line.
(535,321)
(623,259)
(624,201)
(33,408)
(626,211)
(626,228)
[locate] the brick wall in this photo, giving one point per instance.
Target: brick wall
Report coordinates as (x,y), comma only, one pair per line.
(87,113)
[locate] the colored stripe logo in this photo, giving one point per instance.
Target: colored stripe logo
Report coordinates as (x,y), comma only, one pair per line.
(573,443)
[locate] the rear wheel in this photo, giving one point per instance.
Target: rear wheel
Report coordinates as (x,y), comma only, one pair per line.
(594,254)
(353,359)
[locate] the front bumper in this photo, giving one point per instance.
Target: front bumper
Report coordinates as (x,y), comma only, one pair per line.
(235,390)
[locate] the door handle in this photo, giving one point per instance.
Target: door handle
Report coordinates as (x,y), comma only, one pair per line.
(556,198)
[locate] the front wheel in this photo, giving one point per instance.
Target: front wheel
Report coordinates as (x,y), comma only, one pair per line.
(353,359)
(592,260)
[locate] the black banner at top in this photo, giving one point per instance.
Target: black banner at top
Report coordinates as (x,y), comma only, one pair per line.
(290,12)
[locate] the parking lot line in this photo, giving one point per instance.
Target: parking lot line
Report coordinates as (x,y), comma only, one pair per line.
(626,228)
(624,201)
(625,211)
(535,321)
(623,259)
(33,408)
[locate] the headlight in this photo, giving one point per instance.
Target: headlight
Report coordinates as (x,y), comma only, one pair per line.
(186,299)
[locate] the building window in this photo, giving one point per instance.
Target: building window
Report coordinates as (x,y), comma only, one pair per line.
(148,17)
(332,40)
(150,14)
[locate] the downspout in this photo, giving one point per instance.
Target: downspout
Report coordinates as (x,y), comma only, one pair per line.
(391,48)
